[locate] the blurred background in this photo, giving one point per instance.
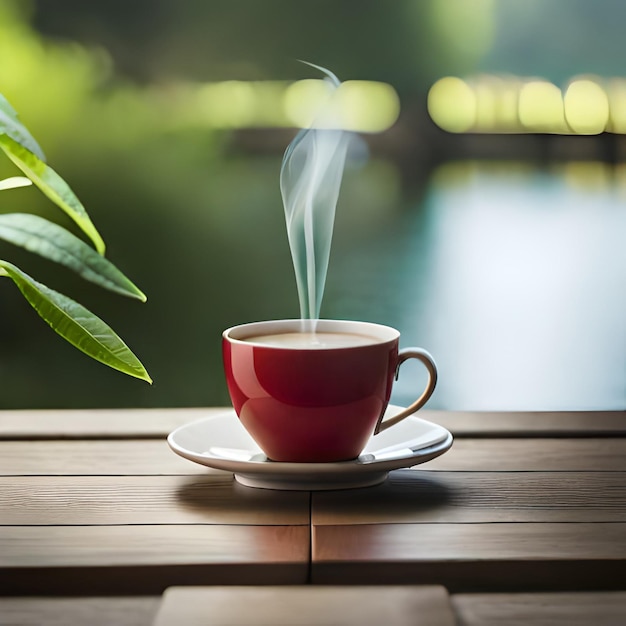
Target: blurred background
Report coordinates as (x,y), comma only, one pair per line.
(483,213)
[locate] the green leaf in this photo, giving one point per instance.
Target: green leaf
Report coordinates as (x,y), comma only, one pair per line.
(53,242)
(52,186)
(10,125)
(77,325)
(14,182)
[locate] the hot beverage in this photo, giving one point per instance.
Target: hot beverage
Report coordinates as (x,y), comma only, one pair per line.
(316,396)
(312,340)
(315,390)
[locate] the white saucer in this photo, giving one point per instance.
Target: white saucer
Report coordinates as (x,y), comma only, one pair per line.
(221,442)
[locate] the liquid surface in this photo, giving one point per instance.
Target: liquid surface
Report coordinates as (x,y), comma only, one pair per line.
(313,340)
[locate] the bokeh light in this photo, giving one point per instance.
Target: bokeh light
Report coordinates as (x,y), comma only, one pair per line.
(586,107)
(452,104)
(540,107)
(616,93)
(368,106)
(229,104)
(358,105)
(303,101)
(512,104)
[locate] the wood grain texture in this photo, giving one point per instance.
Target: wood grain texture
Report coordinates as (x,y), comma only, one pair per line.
(138,560)
(541,609)
(116,611)
(414,542)
(98,423)
(306,606)
(469,497)
(94,502)
(471,557)
(529,423)
(594,454)
(101,500)
(157,423)
(154,457)
(148,457)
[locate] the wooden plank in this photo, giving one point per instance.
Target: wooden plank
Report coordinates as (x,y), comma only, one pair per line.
(470,497)
(541,609)
(91,457)
(304,606)
(530,423)
(473,557)
(157,423)
(154,457)
(144,560)
(98,423)
(595,454)
(101,500)
(118,611)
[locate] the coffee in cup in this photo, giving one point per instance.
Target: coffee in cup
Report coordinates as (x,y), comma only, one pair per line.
(316,390)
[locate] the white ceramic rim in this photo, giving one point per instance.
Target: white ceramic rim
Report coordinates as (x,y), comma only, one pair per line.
(307,471)
(381,333)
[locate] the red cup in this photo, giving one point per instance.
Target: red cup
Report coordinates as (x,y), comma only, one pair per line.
(316,397)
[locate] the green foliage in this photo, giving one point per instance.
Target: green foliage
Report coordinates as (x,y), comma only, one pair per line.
(53,242)
(72,321)
(14,129)
(52,185)
(76,324)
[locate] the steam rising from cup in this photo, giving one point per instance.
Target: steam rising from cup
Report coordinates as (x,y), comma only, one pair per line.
(310,178)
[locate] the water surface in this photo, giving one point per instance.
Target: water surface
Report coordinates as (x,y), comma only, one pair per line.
(512,276)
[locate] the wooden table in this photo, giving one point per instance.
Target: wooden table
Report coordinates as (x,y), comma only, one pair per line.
(523,519)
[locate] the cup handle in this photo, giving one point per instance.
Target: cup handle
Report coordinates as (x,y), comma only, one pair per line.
(429,363)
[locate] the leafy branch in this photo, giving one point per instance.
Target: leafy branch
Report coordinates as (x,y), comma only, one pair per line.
(77,325)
